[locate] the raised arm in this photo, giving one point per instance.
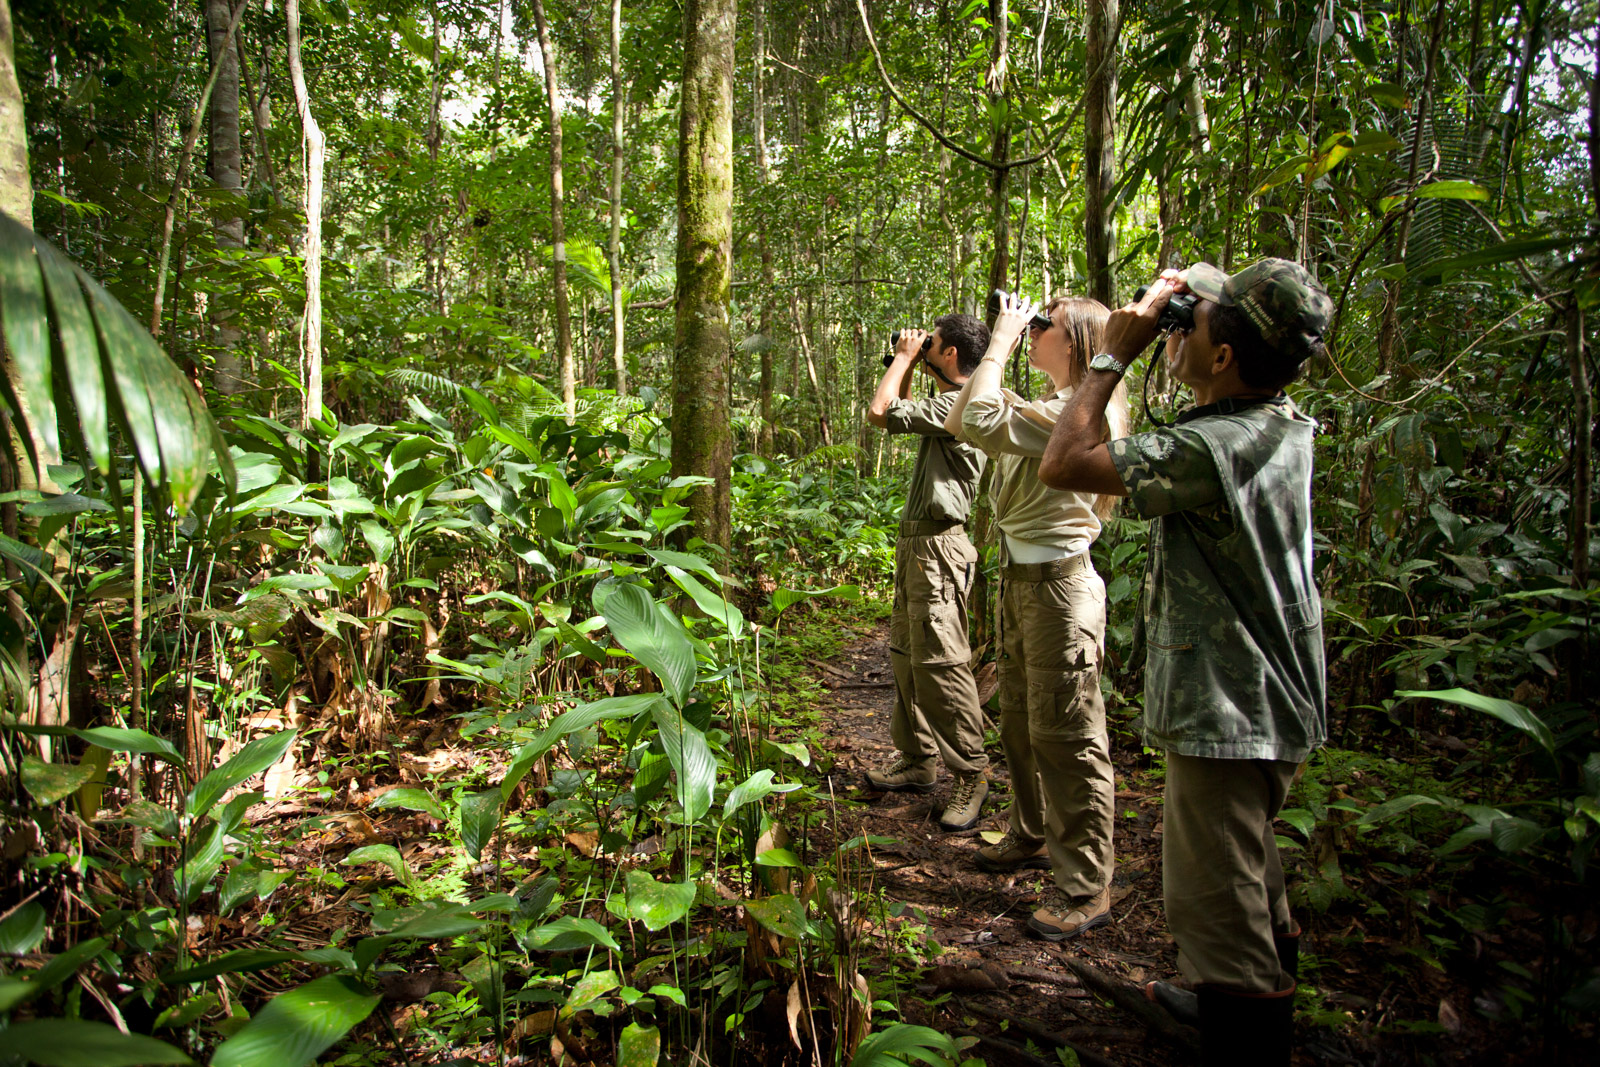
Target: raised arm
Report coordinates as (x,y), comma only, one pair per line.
(896,381)
(1075,458)
(1008,327)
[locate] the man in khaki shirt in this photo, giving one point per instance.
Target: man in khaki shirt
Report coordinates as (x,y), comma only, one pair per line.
(936,698)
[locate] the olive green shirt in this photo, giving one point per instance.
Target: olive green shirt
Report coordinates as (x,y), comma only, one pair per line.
(1233,621)
(945,478)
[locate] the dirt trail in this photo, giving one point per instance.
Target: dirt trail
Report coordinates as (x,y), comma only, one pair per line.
(994,970)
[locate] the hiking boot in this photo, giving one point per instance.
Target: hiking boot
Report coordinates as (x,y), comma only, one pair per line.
(1010,854)
(905,775)
(966,802)
(1061,918)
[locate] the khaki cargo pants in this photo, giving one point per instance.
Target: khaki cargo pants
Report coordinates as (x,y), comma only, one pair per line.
(936,699)
(1053,718)
(1220,871)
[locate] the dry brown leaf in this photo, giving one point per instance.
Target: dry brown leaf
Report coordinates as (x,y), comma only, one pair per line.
(536,1025)
(793,1012)
(585,842)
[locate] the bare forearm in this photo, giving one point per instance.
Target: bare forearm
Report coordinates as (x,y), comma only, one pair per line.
(894,385)
(985,380)
(1074,458)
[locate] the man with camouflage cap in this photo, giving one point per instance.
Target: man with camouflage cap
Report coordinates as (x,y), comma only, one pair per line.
(1234,682)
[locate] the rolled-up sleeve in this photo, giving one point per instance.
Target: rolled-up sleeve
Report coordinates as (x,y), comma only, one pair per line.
(1002,423)
(1166,471)
(924,417)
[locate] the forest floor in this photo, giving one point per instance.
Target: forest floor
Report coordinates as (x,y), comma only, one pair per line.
(1021,996)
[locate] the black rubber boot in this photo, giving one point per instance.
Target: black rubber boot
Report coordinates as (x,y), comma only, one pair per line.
(1179,1002)
(1245,1029)
(1288,946)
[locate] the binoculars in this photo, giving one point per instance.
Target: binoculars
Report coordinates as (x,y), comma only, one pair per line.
(894,342)
(1040,320)
(1177,315)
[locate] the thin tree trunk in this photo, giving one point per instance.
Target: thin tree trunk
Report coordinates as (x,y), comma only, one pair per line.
(702,437)
(1100,149)
(432,253)
(316,146)
(999,178)
(811,366)
(225,163)
(767,443)
(16,200)
(558,232)
(619,100)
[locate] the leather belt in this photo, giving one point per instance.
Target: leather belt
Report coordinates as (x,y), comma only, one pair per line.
(1047,572)
(927,527)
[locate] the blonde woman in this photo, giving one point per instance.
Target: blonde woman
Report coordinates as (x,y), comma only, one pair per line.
(1052,619)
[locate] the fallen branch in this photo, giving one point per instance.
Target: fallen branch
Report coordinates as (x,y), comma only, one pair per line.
(1130,998)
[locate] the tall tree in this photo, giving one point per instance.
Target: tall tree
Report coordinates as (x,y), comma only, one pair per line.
(224,162)
(1100,149)
(558,232)
(619,102)
(316,144)
(702,436)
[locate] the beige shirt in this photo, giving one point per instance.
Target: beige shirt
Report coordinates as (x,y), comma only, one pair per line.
(945,479)
(1015,431)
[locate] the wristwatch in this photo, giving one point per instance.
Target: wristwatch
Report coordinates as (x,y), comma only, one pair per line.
(1106,361)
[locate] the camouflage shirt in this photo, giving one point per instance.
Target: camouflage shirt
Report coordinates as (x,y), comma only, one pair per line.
(1233,622)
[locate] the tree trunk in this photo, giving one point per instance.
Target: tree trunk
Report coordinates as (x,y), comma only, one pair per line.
(619,101)
(316,154)
(432,242)
(558,231)
(224,162)
(16,200)
(702,437)
(1100,149)
(1000,177)
(766,444)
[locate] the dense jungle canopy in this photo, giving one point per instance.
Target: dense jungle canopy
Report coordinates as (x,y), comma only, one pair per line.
(466,678)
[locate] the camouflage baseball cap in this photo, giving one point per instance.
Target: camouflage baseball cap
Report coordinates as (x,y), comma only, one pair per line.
(1290,307)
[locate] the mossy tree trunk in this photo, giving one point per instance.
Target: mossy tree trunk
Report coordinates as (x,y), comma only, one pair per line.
(702,436)
(1100,150)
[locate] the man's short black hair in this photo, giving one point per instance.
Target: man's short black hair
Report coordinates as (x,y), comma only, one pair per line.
(970,337)
(1260,365)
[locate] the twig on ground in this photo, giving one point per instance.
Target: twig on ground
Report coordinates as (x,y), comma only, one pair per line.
(1130,999)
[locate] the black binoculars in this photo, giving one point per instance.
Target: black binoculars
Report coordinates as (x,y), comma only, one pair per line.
(1177,315)
(894,342)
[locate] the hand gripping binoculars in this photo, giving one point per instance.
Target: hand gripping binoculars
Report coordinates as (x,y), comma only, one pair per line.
(1177,315)
(1040,321)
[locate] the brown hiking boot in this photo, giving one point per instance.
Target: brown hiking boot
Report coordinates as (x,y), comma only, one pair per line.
(966,802)
(1060,918)
(1010,854)
(905,775)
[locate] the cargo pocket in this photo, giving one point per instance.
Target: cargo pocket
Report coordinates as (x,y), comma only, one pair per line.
(1065,705)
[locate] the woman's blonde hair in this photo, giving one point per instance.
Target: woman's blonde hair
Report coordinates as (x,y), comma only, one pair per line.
(1084,321)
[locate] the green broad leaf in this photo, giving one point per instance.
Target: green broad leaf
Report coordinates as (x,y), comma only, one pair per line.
(378,538)
(23,930)
(1452,190)
(778,857)
(570,721)
(1388,94)
(118,739)
(658,904)
(205,859)
(671,992)
(1289,168)
(782,599)
(1374,143)
(19,989)
(296,1027)
(1390,808)
(1506,711)
(639,1046)
(64,504)
(151,816)
(754,788)
(793,749)
(901,1043)
(25,322)
(577,640)
(243,961)
(1504,252)
(181,1015)
(1514,834)
(411,800)
(783,914)
(249,761)
(480,816)
(687,561)
(655,640)
(690,754)
(387,855)
(567,933)
(50,782)
(710,602)
(351,435)
(86,1043)
(590,988)
(1300,819)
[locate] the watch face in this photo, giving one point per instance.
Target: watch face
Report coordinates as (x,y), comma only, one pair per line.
(1106,361)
